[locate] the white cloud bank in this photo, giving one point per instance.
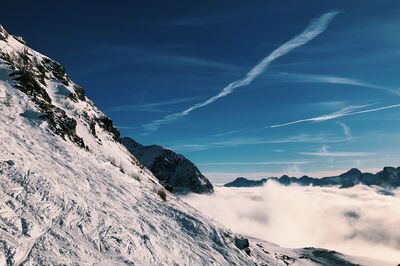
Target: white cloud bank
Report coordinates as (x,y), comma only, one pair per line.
(315,28)
(356,221)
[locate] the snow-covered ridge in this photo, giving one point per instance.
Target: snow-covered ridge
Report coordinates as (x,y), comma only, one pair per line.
(71,194)
(60,101)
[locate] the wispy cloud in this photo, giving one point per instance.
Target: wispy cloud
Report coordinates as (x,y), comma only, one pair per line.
(316,27)
(243,141)
(191,147)
(336,154)
(324,152)
(292,169)
(195,61)
(347,111)
(257,163)
(136,57)
(151,107)
(310,78)
(302,138)
(227,133)
(346,130)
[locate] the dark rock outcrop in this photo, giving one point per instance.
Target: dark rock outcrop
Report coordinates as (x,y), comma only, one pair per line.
(244,182)
(107,124)
(325,257)
(174,171)
(243,244)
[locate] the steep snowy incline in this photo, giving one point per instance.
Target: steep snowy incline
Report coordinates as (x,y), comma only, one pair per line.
(71,194)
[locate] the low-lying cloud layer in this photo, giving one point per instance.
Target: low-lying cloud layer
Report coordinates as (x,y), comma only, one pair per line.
(356,221)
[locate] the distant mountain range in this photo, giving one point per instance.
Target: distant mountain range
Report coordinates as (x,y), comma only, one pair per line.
(174,171)
(389,177)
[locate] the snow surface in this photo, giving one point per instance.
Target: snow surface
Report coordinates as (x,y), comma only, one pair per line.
(64,205)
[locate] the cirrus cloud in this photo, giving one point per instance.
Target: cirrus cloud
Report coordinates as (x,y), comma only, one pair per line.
(315,28)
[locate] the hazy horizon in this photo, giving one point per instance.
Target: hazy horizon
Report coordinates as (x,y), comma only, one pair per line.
(222,178)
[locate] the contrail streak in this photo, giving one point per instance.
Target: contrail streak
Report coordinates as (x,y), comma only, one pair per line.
(344,112)
(297,77)
(316,27)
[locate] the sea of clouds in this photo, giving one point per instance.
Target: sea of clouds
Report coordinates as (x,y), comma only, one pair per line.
(357,221)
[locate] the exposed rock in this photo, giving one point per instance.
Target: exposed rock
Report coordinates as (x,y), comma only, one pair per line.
(241,243)
(326,257)
(107,124)
(80,92)
(174,171)
(244,182)
(3,34)
(20,39)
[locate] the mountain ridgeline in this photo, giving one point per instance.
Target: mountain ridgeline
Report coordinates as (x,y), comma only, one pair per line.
(389,178)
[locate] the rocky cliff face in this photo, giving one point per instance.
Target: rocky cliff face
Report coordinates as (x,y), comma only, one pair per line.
(173,170)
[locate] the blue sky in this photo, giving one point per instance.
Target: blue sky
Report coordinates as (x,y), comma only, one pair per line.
(326,105)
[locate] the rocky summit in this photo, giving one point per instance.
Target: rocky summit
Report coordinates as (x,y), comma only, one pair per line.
(174,171)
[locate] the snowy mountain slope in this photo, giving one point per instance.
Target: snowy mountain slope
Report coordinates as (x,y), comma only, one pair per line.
(71,194)
(173,170)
